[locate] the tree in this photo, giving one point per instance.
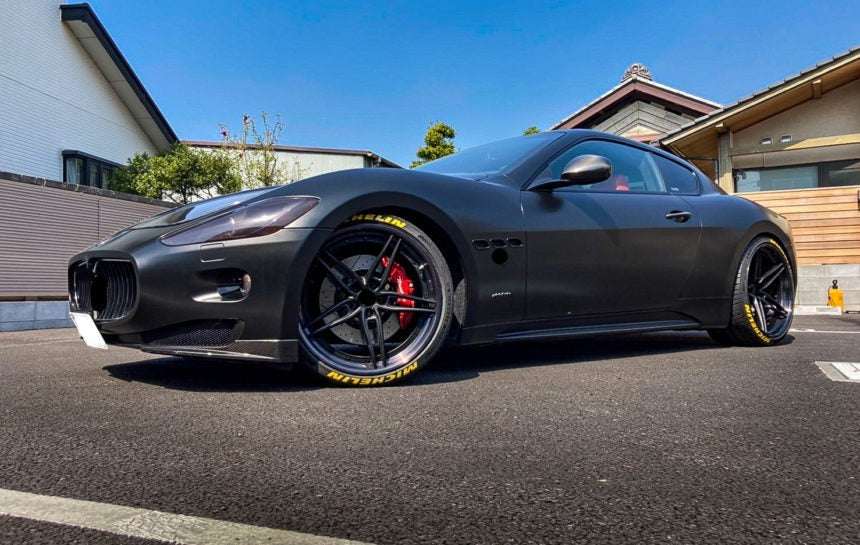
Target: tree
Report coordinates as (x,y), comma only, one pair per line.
(531,130)
(254,153)
(438,142)
(180,175)
(125,178)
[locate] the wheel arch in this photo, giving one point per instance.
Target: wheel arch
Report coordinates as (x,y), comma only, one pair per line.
(768,229)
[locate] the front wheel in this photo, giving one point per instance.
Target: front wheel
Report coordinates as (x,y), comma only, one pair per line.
(376,302)
(763,297)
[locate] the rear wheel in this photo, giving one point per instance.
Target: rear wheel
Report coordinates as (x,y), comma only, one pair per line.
(763,298)
(376,302)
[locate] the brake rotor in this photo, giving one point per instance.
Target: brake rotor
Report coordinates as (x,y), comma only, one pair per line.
(330,295)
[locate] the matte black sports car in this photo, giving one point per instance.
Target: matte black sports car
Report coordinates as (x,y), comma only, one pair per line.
(364,274)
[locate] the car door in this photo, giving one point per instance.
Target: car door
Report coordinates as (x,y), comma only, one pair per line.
(623,245)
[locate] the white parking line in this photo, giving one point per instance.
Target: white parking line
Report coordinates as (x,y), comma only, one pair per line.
(803,330)
(840,371)
(145,524)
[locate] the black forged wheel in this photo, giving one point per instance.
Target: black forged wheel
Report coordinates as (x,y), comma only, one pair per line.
(763,298)
(376,302)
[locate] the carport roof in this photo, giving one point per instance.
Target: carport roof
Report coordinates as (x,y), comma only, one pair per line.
(82,21)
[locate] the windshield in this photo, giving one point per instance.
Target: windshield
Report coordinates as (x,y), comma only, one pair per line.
(492,158)
(199,209)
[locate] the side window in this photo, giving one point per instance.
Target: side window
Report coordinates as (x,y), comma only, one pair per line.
(679,180)
(633,170)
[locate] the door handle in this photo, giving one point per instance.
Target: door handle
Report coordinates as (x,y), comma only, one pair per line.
(679,216)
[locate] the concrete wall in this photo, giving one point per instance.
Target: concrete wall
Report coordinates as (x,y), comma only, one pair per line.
(54,97)
(813,282)
(18,316)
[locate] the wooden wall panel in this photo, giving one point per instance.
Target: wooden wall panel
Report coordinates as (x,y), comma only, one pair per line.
(825,222)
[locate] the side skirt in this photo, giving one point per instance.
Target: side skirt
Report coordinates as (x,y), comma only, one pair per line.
(275,351)
(581,331)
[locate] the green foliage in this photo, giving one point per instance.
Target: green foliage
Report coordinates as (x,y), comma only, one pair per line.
(181,175)
(531,130)
(125,178)
(253,152)
(438,142)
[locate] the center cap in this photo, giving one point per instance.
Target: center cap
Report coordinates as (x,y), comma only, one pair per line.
(367,298)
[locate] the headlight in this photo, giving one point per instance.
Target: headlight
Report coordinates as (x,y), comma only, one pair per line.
(251,220)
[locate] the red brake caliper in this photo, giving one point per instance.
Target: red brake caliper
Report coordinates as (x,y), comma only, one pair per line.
(405,286)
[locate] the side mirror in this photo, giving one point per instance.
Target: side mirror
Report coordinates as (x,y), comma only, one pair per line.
(582,170)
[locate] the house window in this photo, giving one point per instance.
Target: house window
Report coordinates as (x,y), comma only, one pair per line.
(830,174)
(842,173)
(772,179)
(73,167)
(84,169)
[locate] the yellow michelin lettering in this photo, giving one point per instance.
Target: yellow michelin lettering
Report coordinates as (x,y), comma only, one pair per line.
(754,325)
(359,381)
(778,247)
(380,218)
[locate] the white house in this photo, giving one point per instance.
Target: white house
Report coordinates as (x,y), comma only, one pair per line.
(70,104)
(303,162)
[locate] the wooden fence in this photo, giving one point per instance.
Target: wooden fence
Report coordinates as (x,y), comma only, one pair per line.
(825,221)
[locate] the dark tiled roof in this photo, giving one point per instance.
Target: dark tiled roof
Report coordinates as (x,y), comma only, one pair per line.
(761,92)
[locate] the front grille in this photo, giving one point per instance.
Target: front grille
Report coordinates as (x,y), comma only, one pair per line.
(106,288)
(199,333)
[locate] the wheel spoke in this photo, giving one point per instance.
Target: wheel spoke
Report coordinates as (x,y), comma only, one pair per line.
(395,308)
(772,274)
(346,272)
(333,273)
(368,339)
(329,310)
(380,337)
(387,270)
(406,296)
(760,316)
(337,322)
(778,308)
(376,261)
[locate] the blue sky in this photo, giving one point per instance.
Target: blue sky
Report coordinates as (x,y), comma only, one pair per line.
(373,74)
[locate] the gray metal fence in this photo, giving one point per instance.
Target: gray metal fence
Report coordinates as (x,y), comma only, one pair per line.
(44,223)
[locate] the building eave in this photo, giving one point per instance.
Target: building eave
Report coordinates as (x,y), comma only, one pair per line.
(707,126)
(91,33)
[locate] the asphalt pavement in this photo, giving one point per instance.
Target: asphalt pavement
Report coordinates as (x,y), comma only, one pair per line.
(651,438)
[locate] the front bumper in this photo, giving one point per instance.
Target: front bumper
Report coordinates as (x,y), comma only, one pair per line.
(233,299)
